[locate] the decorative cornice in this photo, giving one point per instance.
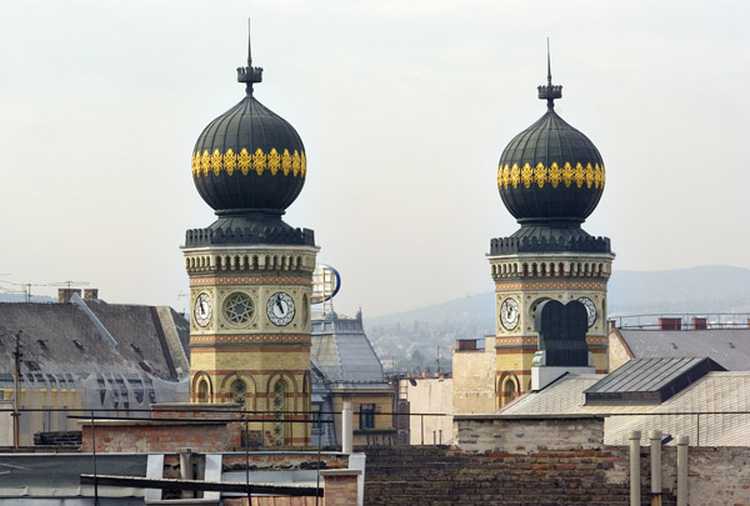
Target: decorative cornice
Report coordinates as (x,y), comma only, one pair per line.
(561,284)
(244,162)
(242,339)
(250,280)
(565,175)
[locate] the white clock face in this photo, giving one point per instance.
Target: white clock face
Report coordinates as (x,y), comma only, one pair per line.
(203,309)
(590,310)
(509,313)
(280,309)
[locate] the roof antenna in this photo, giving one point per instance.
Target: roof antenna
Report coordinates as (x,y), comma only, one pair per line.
(249,74)
(549,92)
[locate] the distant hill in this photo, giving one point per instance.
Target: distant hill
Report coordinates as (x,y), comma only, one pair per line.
(19,297)
(704,289)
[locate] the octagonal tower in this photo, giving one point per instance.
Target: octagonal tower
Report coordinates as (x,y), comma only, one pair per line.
(250,272)
(550,178)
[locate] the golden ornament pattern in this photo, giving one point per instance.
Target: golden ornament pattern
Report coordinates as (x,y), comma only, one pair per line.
(566,175)
(260,162)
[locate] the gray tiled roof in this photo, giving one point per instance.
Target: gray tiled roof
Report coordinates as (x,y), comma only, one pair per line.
(343,352)
(728,347)
(61,339)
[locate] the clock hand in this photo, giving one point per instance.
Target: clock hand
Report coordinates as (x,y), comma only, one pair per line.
(278,304)
(202,306)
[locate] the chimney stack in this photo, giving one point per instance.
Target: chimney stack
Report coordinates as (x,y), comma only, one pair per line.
(90,294)
(670,323)
(65,294)
(700,323)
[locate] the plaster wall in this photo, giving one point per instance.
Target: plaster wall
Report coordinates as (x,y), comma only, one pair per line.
(474,381)
(430,395)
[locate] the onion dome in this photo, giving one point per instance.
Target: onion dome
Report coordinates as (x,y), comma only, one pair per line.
(249,159)
(249,165)
(550,173)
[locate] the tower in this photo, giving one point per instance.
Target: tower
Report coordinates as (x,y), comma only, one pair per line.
(250,272)
(550,178)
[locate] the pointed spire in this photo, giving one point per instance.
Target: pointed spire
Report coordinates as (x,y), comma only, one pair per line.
(549,92)
(249,74)
(549,66)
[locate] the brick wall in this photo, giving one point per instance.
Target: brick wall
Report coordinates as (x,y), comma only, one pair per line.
(516,434)
(161,437)
(428,476)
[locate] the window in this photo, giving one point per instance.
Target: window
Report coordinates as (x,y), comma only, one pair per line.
(367,416)
(238,390)
(317,426)
(203,390)
(279,407)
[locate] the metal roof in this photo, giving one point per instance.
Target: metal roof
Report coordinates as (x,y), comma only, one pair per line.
(716,392)
(650,379)
(728,347)
(342,351)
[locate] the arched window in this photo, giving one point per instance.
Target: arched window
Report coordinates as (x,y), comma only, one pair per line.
(280,389)
(203,390)
(509,390)
(238,391)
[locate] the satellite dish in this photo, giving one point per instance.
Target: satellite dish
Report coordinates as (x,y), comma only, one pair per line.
(326,284)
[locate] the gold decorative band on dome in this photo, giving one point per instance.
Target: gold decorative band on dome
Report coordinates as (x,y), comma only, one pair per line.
(244,162)
(565,175)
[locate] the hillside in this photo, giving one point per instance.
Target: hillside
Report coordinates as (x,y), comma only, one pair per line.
(703,289)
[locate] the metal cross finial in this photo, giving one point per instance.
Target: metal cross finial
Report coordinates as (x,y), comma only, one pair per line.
(249,74)
(549,92)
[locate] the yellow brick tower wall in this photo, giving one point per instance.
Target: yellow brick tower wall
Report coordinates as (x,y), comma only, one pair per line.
(270,362)
(529,280)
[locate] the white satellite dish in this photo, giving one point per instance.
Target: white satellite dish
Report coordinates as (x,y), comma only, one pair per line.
(326,284)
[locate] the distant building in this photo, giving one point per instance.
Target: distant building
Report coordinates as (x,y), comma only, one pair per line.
(726,343)
(84,353)
(346,367)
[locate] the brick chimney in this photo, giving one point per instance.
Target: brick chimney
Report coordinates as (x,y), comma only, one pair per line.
(90,294)
(65,294)
(670,323)
(700,323)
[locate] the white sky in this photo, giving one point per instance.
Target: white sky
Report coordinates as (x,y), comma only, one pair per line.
(404,108)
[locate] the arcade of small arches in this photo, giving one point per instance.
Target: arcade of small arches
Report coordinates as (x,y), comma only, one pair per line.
(282,393)
(514,269)
(245,262)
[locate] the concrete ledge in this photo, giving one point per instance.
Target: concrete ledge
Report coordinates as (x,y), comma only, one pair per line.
(340,472)
(529,417)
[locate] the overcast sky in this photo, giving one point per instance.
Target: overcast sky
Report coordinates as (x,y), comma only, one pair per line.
(404,108)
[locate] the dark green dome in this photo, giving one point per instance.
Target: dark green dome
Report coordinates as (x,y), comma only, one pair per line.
(249,159)
(550,172)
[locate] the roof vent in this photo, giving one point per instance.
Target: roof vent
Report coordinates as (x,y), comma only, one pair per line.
(137,349)
(32,365)
(78,344)
(42,344)
(731,345)
(674,346)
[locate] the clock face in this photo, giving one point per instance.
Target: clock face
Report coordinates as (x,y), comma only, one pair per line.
(203,309)
(280,309)
(590,310)
(509,313)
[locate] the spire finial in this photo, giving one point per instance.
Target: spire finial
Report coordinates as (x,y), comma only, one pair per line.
(249,74)
(549,66)
(549,92)
(250,46)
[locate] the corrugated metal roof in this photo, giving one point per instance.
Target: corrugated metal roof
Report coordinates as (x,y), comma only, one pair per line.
(728,347)
(650,379)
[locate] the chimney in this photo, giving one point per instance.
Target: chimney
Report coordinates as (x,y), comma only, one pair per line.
(65,294)
(90,294)
(670,323)
(467,345)
(700,323)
